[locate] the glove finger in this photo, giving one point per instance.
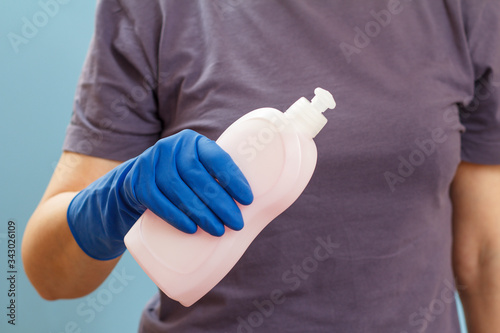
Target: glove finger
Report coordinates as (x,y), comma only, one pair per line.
(221,166)
(166,210)
(183,197)
(210,192)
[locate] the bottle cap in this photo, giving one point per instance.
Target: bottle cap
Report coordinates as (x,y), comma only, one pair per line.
(308,116)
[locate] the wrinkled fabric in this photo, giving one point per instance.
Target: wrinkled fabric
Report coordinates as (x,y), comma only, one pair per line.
(367,246)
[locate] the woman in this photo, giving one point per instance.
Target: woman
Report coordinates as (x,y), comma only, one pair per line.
(404,196)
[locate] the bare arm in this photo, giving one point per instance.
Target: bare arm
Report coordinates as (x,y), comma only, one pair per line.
(54,263)
(476,248)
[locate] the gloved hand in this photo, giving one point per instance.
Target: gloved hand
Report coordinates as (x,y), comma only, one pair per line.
(175,180)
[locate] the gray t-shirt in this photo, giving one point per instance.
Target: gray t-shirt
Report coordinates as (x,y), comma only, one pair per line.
(367,247)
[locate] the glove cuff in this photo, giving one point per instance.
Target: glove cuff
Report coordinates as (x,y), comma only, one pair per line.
(87,238)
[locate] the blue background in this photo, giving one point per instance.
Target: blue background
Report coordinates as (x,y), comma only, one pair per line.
(37,84)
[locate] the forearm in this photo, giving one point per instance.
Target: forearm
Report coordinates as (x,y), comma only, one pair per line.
(53,261)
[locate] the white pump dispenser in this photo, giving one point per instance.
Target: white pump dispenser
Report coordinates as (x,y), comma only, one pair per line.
(277,155)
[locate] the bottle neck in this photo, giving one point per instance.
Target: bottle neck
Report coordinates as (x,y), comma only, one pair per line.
(305,117)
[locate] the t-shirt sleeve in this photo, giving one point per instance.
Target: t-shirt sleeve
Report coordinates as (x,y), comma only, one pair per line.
(115,110)
(481,117)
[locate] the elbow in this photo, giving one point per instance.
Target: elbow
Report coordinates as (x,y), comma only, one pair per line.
(38,279)
(52,284)
(47,285)
(46,294)
(465,271)
(45,277)
(42,287)
(477,270)
(53,293)
(465,263)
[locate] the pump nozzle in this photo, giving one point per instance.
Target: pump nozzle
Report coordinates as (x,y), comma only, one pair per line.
(308,116)
(322,100)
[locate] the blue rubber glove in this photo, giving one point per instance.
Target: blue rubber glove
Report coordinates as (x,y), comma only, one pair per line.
(186,179)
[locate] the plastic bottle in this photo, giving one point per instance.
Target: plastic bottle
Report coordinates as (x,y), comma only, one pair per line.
(276,153)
